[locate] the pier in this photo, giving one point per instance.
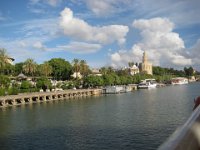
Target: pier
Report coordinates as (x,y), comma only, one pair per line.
(38,97)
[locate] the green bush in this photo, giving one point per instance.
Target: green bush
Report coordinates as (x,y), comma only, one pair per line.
(2,91)
(4,81)
(43,83)
(25,85)
(13,91)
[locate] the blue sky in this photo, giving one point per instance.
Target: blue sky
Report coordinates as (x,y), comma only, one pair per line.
(102,32)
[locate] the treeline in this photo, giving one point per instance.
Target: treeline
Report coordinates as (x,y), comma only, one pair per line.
(57,68)
(62,70)
(186,72)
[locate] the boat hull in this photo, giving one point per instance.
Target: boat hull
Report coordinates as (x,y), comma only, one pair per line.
(146,86)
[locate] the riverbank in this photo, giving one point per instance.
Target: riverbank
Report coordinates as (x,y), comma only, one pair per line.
(38,97)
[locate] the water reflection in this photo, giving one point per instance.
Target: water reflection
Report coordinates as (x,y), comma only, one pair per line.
(139,120)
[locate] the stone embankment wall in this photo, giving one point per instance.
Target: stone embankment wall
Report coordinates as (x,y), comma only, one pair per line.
(37,97)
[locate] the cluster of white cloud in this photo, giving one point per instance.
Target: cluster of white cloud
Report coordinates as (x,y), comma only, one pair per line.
(163,46)
(81,30)
(145,9)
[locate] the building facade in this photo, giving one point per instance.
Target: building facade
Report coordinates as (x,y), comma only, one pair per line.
(134,70)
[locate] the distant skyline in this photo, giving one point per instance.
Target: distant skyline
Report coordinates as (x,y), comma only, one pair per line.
(102,32)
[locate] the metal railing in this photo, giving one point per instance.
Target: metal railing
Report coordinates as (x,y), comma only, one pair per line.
(187,137)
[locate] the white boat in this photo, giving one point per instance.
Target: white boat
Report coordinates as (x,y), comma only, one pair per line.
(114,89)
(147,83)
(179,81)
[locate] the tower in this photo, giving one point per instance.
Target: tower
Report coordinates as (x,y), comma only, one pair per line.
(144,58)
(145,65)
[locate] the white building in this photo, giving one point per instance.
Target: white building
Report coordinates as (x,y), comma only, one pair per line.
(77,75)
(96,72)
(134,70)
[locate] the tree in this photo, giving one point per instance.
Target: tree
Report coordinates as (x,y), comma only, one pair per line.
(76,65)
(189,71)
(93,81)
(29,67)
(84,68)
(8,69)
(18,68)
(107,70)
(61,69)
(109,79)
(4,59)
(45,69)
(4,81)
(124,72)
(43,83)
(130,64)
(26,85)
(104,70)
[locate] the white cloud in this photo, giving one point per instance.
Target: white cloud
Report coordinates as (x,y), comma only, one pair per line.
(80,47)
(194,53)
(100,7)
(174,10)
(181,12)
(39,45)
(28,40)
(37,11)
(163,25)
(163,46)
(81,30)
(53,2)
(42,29)
(49,2)
(2,17)
(20,50)
(107,7)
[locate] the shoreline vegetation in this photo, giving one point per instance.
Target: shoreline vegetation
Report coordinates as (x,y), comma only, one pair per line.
(60,74)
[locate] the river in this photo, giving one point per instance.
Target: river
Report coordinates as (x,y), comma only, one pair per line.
(142,119)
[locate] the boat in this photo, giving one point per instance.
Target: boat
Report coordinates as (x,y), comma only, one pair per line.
(147,83)
(114,89)
(179,81)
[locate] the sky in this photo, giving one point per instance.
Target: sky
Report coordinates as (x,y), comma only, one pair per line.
(103,32)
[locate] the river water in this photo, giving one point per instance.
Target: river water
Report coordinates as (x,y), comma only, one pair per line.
(142,119)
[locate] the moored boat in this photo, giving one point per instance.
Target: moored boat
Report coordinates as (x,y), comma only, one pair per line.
(179,81)
(147,83)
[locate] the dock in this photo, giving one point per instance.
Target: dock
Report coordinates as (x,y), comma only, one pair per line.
(38,97)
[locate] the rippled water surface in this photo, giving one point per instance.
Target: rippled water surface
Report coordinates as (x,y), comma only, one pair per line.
(143,119)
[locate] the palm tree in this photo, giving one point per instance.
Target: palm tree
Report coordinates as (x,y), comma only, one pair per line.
(3,58)
(84,68)
(29,66)
(110,69)
(104,70)
(45,69)
(76,66)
